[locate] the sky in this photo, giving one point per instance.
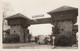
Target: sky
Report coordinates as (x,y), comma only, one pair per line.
(38,7)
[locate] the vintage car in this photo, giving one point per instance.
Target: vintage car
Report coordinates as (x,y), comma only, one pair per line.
(43,39)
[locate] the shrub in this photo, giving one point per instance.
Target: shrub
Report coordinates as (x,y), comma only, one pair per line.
(12,38)
(56,31)
(5,40)
(65,39)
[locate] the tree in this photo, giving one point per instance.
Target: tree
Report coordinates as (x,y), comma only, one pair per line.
(7,10)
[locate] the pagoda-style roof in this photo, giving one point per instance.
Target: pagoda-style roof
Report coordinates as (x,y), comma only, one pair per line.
(18,15)
(63,8)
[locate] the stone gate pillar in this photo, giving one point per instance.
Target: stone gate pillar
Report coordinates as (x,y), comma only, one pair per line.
(18,25)
(64,19)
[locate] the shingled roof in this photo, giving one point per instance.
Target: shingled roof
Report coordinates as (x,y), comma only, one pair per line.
(63,8)
(18,15)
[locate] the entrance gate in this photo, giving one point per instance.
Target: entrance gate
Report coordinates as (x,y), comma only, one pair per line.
(62,18)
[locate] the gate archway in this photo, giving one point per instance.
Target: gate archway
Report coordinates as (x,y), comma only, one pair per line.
(64,18)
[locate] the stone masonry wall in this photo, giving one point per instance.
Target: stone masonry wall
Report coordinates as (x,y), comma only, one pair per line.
(65,25)
(18,30)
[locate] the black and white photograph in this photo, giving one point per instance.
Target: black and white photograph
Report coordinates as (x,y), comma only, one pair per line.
(40,24)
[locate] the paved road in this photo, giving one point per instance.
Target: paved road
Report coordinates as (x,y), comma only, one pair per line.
(33,46)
